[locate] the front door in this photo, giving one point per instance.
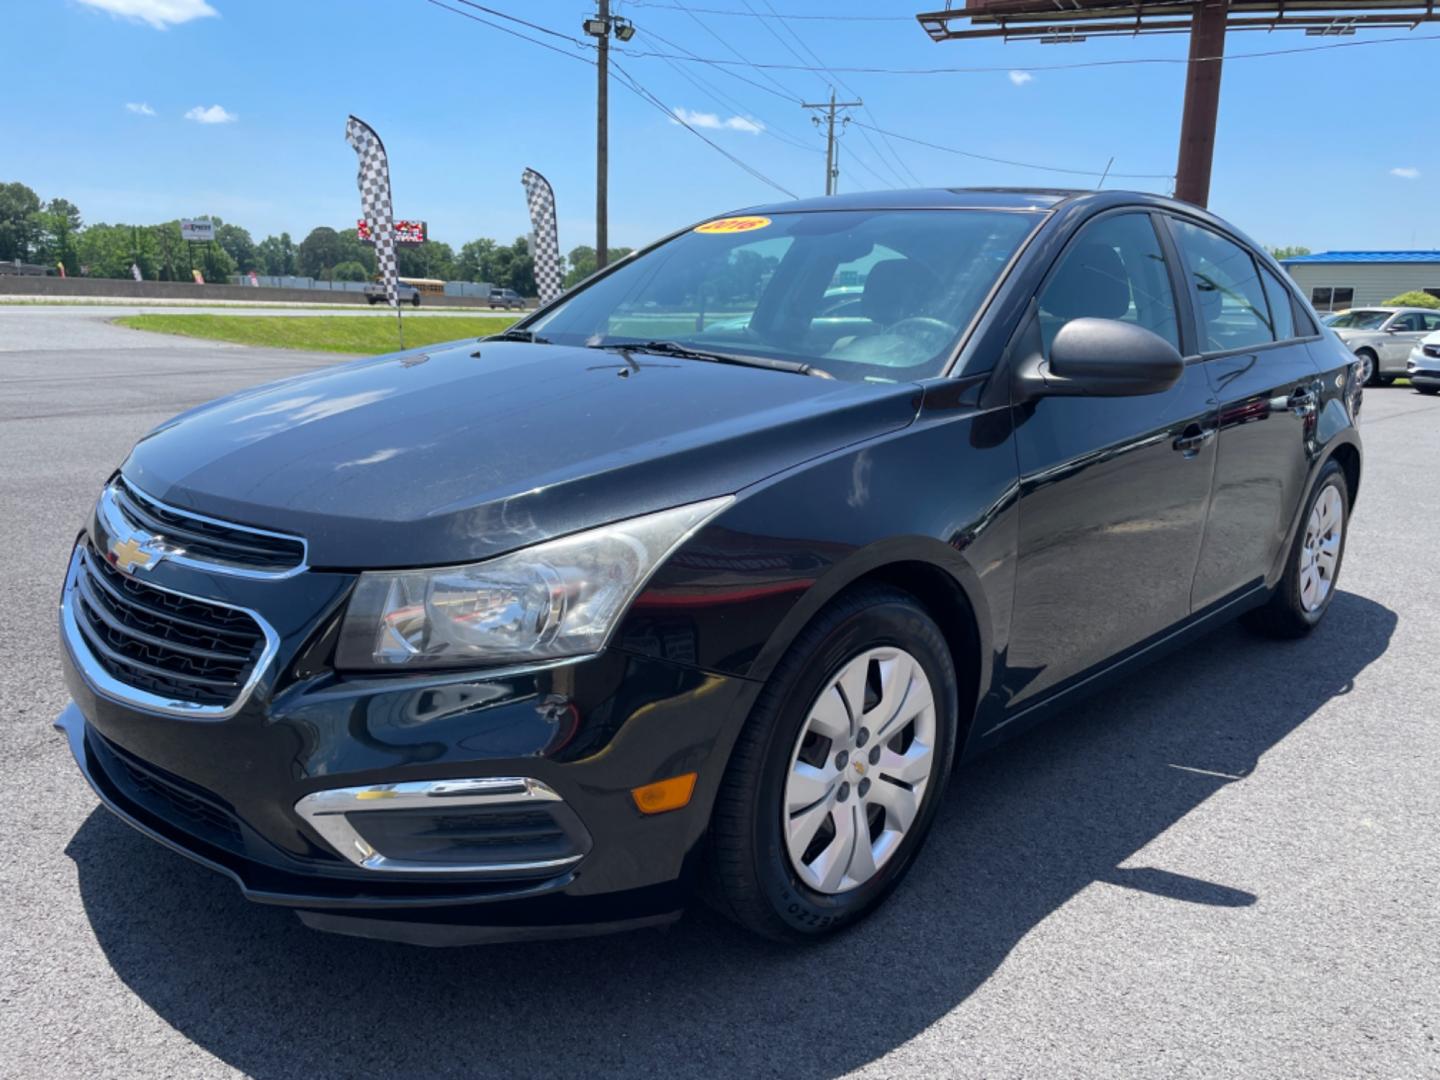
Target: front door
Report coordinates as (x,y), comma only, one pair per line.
(1402,333)
(1112,490)
(1268,389)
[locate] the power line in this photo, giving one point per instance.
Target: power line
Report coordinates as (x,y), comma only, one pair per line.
(852,91)
(1122,62)
(743,58)
(515,33)
(753,14)
(1017,164)
(630,83)
(783,96)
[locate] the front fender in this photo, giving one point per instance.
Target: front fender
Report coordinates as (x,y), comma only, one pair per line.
(939,495)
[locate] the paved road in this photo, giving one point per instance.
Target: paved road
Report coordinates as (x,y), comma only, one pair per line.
(65,314)
(1228,868)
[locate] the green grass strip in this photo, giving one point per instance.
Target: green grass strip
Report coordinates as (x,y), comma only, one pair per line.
(321,333)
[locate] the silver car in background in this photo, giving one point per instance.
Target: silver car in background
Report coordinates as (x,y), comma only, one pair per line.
(1383,337)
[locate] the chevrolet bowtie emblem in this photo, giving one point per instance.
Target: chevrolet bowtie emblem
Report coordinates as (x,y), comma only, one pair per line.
(129,554)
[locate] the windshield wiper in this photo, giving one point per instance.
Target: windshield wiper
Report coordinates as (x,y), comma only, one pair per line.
(674,348)
(518,335)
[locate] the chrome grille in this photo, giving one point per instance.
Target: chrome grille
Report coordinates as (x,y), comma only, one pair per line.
(201,541)
(159,649)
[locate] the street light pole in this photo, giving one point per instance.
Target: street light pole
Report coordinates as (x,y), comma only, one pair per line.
(602,140)
(601,26)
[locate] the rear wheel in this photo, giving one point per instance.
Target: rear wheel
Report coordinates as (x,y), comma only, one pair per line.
(415,300)
(1427,389)
(1308,585)
(837,777)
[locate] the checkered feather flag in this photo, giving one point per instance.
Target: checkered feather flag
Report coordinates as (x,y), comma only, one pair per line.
(541,198)
(373,180)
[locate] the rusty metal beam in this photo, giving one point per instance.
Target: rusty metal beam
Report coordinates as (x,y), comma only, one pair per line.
(1202,102)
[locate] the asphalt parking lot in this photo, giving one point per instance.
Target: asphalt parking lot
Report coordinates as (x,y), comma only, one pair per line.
(1228,867)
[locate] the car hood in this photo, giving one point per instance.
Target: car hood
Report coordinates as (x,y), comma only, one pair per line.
(464,451)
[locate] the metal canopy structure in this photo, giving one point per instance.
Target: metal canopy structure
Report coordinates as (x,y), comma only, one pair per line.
(1206,21)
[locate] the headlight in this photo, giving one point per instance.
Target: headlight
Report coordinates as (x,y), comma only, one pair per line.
(559,598)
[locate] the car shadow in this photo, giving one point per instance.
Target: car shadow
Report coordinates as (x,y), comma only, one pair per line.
(1022,831)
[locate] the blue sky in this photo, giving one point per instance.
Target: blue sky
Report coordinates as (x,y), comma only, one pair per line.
(240,110)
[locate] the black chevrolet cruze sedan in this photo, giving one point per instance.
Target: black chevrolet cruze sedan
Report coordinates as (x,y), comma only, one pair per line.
(703,577)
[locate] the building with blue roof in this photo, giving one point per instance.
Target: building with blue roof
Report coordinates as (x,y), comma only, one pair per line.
(1335,280)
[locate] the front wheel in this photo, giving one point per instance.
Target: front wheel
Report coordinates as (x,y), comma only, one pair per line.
(1308,585)
(1369,368)
(838,775)
(415,300)
(1427,389)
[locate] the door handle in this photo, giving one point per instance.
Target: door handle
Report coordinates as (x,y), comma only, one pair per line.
(1193,439)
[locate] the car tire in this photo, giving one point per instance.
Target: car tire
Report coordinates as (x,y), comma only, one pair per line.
(415,300)
(1371,370)
(1430,390)
(1305,591)
(782,757)
(370,300)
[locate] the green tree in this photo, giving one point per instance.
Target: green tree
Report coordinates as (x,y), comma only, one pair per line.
(474,261)
(276,255)
(320,252)
(19,226)
(349,271)
(1288,252)
(582,262)
(59,226)
(107,250)
(1414,298)
(172,259)
(238,245)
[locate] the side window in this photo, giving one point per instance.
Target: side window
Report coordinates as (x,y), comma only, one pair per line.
(1432,322)
(1113,270)
(1282,314)
(1406,323)
(1232,310)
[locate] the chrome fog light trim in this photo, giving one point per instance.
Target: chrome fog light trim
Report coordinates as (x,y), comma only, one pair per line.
(326,812)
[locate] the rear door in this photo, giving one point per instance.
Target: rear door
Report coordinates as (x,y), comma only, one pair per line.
(1252,340)
(1112,490)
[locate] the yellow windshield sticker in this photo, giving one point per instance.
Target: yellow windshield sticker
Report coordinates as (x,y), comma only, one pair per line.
(733,225)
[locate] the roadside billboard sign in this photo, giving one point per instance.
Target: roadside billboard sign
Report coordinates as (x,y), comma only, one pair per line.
(407,233)
(199,230)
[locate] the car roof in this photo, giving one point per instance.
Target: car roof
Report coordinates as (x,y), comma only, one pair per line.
(964,198)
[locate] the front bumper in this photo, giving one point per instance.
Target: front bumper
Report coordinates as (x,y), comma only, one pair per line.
(224,792)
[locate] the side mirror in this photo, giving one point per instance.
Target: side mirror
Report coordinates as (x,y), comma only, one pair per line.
(1102,358)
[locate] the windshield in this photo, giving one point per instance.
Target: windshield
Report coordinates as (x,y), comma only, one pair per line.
(1358,320)
(882,295)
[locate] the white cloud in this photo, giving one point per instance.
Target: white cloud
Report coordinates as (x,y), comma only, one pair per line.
(715,123)
(139,107)
(1406,172)
(158,13)
(215,114)
(1020,78)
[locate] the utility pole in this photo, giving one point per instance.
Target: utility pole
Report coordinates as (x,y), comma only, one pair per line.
(601,26)
(831,169)
(1202,101)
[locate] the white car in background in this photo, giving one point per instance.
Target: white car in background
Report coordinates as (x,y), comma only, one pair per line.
(1423,367)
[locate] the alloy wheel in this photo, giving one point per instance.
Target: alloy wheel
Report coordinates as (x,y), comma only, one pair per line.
(859,770)
(1320,556)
